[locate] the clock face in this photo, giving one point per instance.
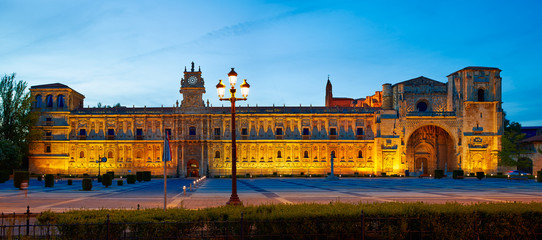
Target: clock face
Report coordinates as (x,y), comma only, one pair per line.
(192,80)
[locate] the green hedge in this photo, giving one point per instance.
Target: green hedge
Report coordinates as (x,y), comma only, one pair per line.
(147,176)
(70,182)
(87,184)
(458,174)
(4,176)
(381,220)
(480,175)
(139,176)
(19,177)
(131,179)
(539,176)
(49,180)
(439,173)
(119,182)
(107,180)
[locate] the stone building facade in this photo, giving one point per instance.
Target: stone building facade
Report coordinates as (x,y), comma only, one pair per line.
(417,125)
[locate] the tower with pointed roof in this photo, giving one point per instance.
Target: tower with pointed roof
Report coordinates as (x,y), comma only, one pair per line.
(192,88)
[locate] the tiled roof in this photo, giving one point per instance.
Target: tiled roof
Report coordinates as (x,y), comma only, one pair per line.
(537,138)
(475,68)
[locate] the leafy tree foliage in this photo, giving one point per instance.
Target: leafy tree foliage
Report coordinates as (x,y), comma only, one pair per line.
(16,122)
(510,144)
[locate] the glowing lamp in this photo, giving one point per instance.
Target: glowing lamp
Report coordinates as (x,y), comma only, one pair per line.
(232,76)
(220,89)
(245,87)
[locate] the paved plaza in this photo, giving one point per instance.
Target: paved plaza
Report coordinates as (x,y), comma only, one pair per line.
(216,192)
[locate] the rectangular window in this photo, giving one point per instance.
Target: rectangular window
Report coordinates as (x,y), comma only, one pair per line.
(217,131)
(278,132)
(111,132)
(306,131)
(139,132)
(333,131)
(192,131)
(244,131)
(48,134)
(47,148)
(82,132)
(359,131)
(168,131)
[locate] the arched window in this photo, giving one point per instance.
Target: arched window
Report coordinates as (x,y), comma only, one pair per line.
(49,101)
(139,154)
(421,106)
(360,154)
(38,101)
(110,155)
(60,101)
(217,154)
(333,154)
(279,154)
(81,154)
(481,97)
(306,154)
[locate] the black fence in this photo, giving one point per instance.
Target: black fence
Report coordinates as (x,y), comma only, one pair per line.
(25,226)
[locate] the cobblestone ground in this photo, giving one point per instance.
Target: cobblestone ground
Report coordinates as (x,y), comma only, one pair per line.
(216,192)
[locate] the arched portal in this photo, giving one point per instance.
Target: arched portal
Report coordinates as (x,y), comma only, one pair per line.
(192,168)
(429,148)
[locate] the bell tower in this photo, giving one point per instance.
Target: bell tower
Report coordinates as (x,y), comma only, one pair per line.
(192,89)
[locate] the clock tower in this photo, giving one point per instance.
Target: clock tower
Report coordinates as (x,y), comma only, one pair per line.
(192,89)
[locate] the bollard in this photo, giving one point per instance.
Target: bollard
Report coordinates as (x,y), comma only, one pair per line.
(184,190)
(27,220)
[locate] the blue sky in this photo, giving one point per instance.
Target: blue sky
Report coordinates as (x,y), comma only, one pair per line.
(134,52)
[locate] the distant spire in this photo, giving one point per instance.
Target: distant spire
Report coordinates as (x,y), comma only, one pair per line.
(192,66)
(184,68)
(199,68)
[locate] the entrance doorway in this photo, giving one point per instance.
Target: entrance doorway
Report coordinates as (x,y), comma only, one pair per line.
(192,168)
(429,148)
(421,165)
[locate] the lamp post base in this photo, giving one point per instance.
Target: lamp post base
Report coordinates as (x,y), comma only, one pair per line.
(234,201)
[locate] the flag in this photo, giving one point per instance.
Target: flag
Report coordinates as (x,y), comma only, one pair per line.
(166,156)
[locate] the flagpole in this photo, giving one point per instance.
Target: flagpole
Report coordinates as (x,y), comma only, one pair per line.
(165,186)
(165,158)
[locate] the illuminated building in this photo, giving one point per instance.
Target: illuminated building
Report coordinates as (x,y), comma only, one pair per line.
(416,125)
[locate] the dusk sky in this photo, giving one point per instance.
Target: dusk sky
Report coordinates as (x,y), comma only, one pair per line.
(135,52)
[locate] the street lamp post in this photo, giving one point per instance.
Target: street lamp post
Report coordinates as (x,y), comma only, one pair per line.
(221,88)
(100,160)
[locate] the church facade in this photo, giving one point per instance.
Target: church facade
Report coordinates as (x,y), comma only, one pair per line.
(417,125)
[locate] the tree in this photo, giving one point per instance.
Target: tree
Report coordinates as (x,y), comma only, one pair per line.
(510,144)
(16,122)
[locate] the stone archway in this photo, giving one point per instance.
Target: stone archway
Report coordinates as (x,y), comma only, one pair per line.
(429,148)
(192,168)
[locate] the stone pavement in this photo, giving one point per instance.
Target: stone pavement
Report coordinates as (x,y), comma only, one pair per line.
(216,192)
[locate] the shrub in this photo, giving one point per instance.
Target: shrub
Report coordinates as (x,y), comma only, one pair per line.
(247,175)
(499,174)
(100,178)
(4,176)
(139,176)
(458,174)
(439,173)
(539,176)
(107,180)
(119,182)
(131,179)
(382,174)
(471,174)
(19,177)
(480,175)
(147,176)
(275,174)
(309,221)
(49,180)
(39,178)
(87,184)
(112,173)
(356,174)
(70,182)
